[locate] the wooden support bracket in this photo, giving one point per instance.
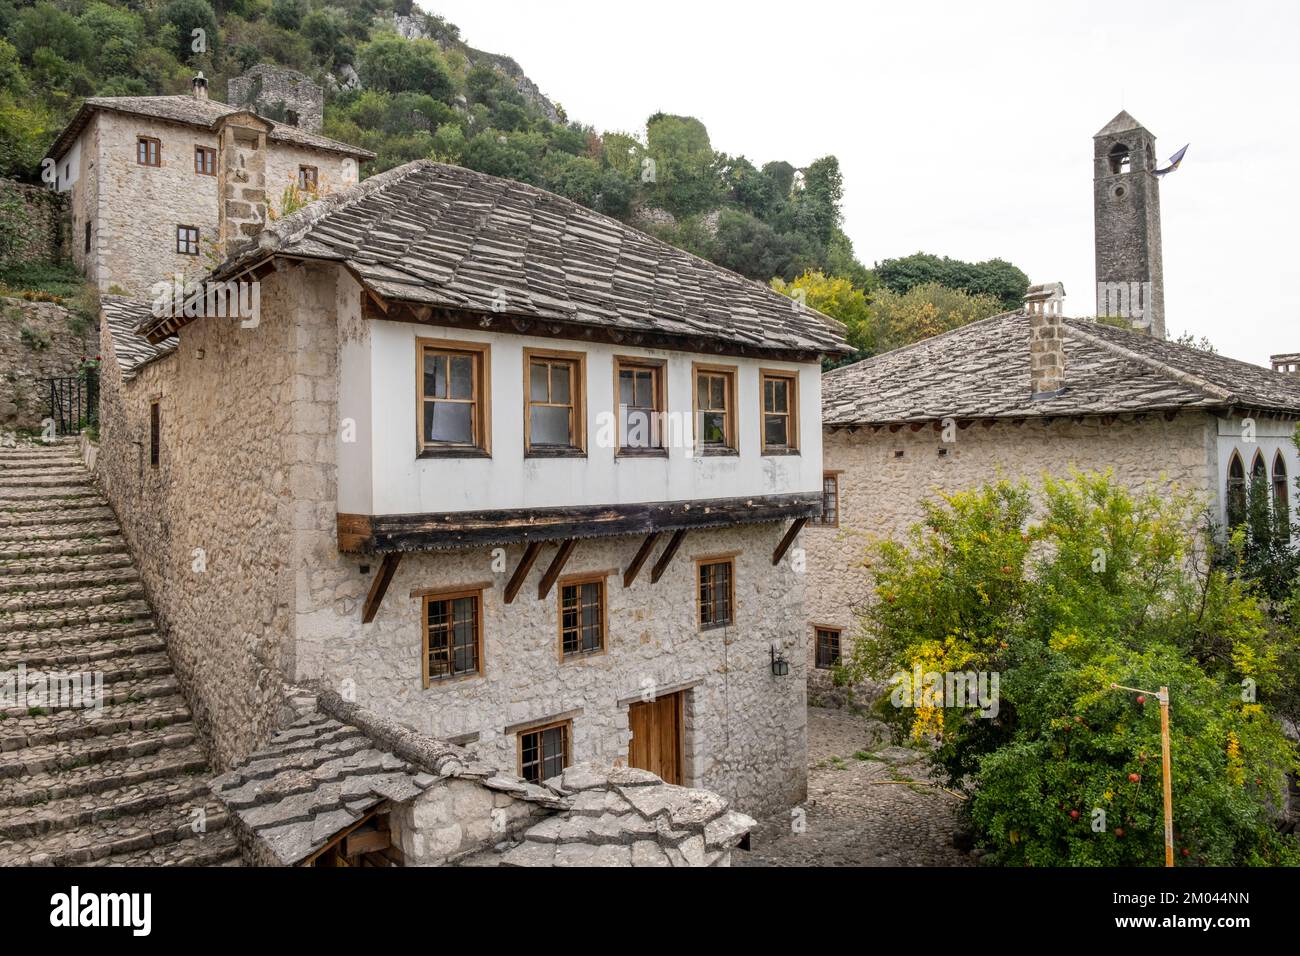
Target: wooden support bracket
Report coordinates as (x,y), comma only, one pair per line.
(557,565)
(795,527)
(379,586)
(525,565)
(639,559)
(666,558)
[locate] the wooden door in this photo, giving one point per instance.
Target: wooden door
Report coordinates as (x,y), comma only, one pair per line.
(657,737)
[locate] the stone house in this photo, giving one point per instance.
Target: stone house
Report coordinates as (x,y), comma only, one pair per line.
(966,407)
(498,469)
(147,175)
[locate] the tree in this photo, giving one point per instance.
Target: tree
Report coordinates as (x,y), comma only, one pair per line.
(288,14)
(684,178)
(1061,593)
(924,311)
(394,65)
(994,277)
(840,299)
(186,16)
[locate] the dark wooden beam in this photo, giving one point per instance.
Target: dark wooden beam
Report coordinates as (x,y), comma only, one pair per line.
(379,586)
(525,565)
(370,534)
(666,558)
(639,559)
(557,565)
(788,540)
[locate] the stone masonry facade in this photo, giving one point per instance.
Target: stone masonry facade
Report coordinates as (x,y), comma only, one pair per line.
(885,477)
(38,341)
(250,431)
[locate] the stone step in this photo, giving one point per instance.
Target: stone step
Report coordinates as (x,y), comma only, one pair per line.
(90,596)
(103,528)
(63,755)
(22,458)
(162,827)
(14,553)
(66,580)
(147,714)
(51,496)
(87,512)
(141,688)
(18,823)
(72,471)
(214,848)
(106,775)
(57,564)
(122,612)
(74,636)
(73,657)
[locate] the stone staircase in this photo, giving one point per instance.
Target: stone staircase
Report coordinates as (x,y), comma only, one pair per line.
(117,787)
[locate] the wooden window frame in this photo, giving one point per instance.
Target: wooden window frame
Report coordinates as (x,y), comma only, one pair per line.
(197,244)
(480,657)
(205,157)
(481,353)
(577,447)
(566,724)
(577,580)
(310,183)
(155,432)
(713,560)
(835,477)
(791,378)
(146,141)
(731,422)
(660,369)
(818,629)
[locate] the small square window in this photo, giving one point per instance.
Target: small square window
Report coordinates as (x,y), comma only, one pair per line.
(717,592)
(780,412)
(828,647)
(454,398)
(307,178)
(582,618)
(554,403)
(639,385)
(148,151)
(453,635)
(205,161)
(715,410)
(544,752)
(187,240)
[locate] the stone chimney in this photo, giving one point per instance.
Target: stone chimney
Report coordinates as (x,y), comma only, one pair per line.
(1287,363)
(1044,305)
(241,178)
(199,86)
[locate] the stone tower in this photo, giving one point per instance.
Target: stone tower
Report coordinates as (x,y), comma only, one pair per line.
(1126,213)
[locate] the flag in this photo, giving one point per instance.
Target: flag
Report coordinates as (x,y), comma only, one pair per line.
(1174,160)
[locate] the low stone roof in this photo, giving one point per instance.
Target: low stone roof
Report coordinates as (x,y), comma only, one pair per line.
(437,235)
(981,370)
(132,350)
(192,111)
(619,816)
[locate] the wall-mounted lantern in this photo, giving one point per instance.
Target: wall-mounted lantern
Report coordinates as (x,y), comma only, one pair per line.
(780,666)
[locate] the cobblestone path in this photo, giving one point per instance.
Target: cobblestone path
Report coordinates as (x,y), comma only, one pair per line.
(850,817)
(118,787)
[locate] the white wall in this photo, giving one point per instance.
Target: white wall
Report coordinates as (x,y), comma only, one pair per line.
(1270,437)
(401,483)
(69,165)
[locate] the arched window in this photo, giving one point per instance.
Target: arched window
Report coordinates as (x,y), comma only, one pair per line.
(1281,491)
(1258,470)
(1236,500)
(1120,161)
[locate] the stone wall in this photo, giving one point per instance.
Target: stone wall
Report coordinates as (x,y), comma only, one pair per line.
(38,341)
(209,525)
(881,493)
(279,94)
(33,224)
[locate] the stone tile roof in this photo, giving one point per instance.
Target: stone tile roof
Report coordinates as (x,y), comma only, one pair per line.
(438,235)
(132,350)
(192,111)
(981,370)
(619,816)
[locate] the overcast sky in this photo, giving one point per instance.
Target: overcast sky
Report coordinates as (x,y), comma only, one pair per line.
(965,129)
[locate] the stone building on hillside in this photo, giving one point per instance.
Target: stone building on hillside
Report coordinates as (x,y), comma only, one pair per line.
(498,468)
(150,177)
(1018,396)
